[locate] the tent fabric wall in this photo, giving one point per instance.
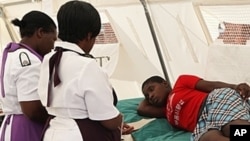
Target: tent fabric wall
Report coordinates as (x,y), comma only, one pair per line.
(4,35)
(228,64)
(181,37)
(135,63)
(181,34)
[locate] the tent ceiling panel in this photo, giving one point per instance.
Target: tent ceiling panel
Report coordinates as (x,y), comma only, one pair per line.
(13,2)
(182,37)
(125,2)
(4,35)
(17,11)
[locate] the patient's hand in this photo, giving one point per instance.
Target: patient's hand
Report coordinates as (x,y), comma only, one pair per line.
(244,90)
(127,129)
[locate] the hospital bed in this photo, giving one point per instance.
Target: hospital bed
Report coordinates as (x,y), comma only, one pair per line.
(148,129)
(224,63)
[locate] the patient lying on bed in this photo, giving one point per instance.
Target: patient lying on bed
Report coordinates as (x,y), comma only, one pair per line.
(197,105)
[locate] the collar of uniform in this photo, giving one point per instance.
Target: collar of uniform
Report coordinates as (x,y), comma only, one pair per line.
(70,46)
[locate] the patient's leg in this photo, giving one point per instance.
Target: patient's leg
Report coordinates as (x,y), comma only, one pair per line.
(213,135)
(226,128)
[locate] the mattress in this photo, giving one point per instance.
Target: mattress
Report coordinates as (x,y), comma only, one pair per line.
(147,129)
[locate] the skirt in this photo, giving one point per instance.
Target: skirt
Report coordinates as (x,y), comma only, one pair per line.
(20,128)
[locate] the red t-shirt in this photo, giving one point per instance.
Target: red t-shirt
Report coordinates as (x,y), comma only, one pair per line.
(183,104)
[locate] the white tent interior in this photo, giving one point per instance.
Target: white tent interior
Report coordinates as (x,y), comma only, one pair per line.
(186,32)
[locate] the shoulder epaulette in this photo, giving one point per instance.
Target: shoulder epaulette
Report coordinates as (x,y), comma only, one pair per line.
(24,59)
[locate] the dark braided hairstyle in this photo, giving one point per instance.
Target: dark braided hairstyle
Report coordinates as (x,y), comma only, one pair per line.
(32,21)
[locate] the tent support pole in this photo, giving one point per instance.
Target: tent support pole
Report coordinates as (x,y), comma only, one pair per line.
(155,40)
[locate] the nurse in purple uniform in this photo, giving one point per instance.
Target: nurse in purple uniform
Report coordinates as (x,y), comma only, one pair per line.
(20,68)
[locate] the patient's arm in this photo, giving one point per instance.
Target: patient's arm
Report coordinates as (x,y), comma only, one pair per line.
(148,110)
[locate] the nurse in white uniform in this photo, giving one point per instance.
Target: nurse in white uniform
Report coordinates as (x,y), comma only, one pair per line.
(20,68)
(75,90)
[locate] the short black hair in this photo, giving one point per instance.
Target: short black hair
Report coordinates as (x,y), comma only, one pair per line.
(155,78)
(76,19)
(32,21)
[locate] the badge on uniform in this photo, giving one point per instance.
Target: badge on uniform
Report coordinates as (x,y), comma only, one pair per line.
(24,59)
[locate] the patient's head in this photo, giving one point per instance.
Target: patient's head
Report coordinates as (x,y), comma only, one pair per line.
(156,90)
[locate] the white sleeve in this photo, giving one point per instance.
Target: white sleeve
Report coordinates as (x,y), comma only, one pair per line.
(27,79)
(97,93)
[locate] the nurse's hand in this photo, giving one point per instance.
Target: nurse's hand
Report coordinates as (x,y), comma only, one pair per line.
(127,129)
